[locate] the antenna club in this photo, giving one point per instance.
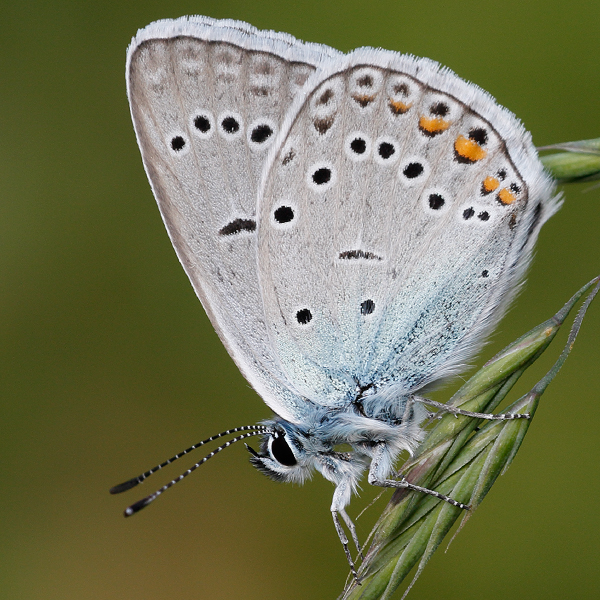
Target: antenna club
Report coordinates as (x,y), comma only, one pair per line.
(139,505)
(126,485)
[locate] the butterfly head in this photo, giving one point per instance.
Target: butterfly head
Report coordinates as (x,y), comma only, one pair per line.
(292,453)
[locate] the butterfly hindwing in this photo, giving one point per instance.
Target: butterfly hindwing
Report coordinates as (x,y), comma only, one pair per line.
(395,223)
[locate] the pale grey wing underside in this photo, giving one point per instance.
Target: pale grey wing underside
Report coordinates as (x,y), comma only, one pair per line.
(397,217)
(207,100)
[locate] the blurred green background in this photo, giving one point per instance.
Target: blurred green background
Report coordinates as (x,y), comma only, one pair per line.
(109,365)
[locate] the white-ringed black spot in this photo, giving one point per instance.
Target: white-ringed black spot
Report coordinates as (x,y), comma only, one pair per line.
(484,215)
(202,123)
(386,150)
(367,307)
(436,201)
(468,213)
(479,135)
(515,188)
(321,176)
(230,125)
(439,109)
(304,316)
(412,170)
(358,145)
(485,273)
(502,174)
(283,214)
(177,143)
(261,133)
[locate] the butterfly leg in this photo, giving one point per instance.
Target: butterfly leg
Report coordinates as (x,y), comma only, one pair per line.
(344,539)
(376,477)
(340,500)
(352,529)
(445,408)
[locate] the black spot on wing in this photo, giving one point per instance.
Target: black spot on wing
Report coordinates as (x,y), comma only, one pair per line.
(304,316)
(237,226)
(367,307)
(356,254)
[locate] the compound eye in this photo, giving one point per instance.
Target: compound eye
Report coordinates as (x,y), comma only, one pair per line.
(282,452)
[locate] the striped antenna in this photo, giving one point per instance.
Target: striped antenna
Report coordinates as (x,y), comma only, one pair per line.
(127,485)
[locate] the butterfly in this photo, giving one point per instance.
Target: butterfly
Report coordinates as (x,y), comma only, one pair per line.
(353,224)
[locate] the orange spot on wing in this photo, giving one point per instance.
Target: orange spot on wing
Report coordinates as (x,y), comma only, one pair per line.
(490,184)
(506,197)
(399,107)
(433,125)
(469,150)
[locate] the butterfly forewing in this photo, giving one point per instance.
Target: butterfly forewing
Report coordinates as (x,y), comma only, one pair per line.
(207,101)
(394,223)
